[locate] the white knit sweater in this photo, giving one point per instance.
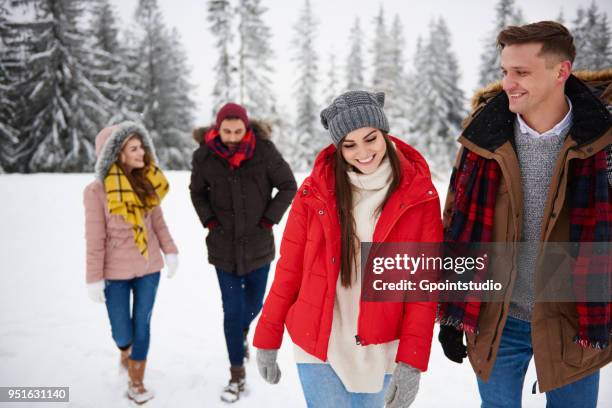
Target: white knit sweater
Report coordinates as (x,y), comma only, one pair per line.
(360,368)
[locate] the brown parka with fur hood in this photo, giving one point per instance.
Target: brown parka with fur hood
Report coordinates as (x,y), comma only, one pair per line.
(488,132)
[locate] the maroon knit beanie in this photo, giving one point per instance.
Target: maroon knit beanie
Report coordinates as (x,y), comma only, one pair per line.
(232,110)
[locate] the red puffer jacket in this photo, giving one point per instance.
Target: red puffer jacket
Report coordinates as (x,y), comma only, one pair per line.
(304,287)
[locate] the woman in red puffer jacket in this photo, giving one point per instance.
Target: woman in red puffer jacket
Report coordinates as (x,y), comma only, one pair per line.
(367,187)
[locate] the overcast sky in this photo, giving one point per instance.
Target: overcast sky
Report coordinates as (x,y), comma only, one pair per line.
(469,21)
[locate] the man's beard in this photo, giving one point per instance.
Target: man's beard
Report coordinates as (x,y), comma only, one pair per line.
(232,147)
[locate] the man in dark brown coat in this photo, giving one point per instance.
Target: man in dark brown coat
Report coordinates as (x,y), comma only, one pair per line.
(233,174)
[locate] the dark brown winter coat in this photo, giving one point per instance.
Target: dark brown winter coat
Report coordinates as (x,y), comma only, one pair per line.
(489,133)
(239,199)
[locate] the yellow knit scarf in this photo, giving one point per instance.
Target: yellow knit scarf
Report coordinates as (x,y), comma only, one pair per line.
(124,201)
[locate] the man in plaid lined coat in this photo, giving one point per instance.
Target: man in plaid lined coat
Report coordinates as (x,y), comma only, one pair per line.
(534,167)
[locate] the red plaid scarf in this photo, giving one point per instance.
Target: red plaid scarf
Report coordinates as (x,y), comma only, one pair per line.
(591,221)
(234,157)
(475,185)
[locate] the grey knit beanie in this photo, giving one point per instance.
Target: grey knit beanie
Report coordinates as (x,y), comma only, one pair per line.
(353,110)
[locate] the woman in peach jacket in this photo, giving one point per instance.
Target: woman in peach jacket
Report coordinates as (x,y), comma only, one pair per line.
(125,231)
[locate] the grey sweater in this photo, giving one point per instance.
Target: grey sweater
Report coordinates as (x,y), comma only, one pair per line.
(537,156)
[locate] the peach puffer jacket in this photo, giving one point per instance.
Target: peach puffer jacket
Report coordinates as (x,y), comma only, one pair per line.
(111,251)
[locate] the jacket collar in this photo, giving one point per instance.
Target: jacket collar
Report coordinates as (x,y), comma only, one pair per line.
(493,125)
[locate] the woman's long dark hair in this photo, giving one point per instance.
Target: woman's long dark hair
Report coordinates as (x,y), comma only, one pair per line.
(138,177)
(344,202)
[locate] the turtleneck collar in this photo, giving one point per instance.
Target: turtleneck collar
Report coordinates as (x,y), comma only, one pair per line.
(377,180)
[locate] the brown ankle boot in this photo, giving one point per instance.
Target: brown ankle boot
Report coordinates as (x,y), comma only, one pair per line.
(136,389)
(124,356)
(237,383)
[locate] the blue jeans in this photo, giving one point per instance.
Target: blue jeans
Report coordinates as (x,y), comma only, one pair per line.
(134,329)
(505,386)
(242,298)
(323,389)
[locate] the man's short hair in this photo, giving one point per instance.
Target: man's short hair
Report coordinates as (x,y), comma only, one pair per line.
(554,37)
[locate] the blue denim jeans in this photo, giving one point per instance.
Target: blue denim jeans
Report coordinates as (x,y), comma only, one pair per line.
(242,298)
(134,328)
(505,386)
(323,389)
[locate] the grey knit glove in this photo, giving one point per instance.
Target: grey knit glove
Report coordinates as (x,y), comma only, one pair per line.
(403,387)
(267,366)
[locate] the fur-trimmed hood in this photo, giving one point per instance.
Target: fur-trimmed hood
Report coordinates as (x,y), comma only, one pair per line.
(261,129)
(110,140)
(491,123)
(594,79)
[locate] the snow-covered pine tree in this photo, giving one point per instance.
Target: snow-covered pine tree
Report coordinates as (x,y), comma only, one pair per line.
(412,92)
(284,135)
(220,15)
(109,65)
(396,101)
(601,44)
(506,14)
(354,62)
(561,17)
(10,66)
(176,116)
(133,82)
(592,39)
(60,109)
(160,67)
(151,43)
(420,86)
(581,33)
(438,103)
(309,135)
(255,55)
(103,26)
(453,107)
(382,76)
(396,47)
(332,86)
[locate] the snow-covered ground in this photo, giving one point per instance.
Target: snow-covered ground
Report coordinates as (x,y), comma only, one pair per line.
(51,334)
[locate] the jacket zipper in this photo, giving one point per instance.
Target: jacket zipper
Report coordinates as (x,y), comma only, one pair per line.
(358,339)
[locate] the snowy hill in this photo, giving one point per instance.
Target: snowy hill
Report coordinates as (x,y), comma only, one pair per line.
(51,334)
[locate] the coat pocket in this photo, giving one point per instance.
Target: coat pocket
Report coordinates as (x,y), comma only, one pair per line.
(313,289)
(575,355)
(216,238)
(303,323)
